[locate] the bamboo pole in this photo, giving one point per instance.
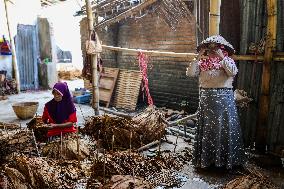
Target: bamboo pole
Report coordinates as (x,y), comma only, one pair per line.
(147,146)
(277,57)
(149,52)
(95,87)
(214,17)
(126,14)
(121,114)
(14,59)
(192,116)
(261,132)
(248,57)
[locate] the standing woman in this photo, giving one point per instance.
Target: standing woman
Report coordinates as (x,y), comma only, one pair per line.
(218,140)
(60,112)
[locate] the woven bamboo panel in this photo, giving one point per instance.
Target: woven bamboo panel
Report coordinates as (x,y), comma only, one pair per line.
(127,89)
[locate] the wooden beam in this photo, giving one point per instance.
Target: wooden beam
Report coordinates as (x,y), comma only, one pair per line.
(126,14)
(14,59)
(95,85)
(261,130)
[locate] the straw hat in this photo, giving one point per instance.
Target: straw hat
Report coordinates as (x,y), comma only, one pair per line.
(217,39)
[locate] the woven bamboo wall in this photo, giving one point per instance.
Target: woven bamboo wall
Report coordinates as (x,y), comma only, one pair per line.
(253,27)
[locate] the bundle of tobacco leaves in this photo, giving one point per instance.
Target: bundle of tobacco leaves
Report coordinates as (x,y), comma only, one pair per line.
(122,133)
(39,128)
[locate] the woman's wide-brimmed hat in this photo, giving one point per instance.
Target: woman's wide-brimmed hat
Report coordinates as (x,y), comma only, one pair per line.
(218,39)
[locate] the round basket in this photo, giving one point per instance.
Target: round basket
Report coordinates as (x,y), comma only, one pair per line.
(25,110)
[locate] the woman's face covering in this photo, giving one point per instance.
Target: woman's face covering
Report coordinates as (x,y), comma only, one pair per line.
(57,96)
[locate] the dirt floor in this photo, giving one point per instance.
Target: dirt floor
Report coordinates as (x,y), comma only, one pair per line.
(189,177)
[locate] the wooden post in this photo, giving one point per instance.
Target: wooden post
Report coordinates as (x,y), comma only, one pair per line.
(14,59)
(214,17)
(95,87)
(261,133)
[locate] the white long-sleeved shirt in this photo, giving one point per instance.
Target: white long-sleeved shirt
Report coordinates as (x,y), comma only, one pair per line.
(219,78)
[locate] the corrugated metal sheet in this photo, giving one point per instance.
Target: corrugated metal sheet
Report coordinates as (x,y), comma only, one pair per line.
(27,53)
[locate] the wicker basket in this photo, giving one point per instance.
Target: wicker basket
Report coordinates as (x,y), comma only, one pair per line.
(25,110)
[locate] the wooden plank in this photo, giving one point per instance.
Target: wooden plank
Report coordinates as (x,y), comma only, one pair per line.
(104,95)
(107,84)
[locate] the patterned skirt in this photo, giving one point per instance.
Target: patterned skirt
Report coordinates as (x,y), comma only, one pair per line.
(218,139)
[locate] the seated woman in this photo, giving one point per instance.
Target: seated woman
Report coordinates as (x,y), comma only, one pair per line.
(60,112)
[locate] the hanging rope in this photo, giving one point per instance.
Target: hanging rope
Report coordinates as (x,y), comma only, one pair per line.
(143,65)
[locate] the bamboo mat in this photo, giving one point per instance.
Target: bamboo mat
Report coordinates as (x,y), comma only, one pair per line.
(127,88)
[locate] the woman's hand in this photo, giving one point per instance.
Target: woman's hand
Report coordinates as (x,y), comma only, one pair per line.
(201,52)
(219,53)
(49,126)
(59,126)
